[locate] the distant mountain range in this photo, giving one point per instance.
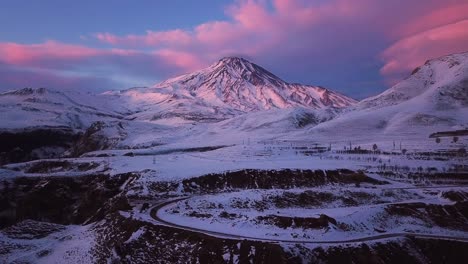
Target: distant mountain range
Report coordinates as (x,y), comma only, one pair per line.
(235,96)
(229,87)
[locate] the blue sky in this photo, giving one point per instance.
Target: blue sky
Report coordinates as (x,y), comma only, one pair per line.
(357,47)
(68,20)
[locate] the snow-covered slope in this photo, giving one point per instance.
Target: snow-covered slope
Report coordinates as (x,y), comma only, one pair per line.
(434,98)
(30,107)
(168,107)
(441,82)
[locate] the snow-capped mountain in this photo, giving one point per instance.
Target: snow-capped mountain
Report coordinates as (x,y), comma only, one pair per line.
(242,85)
(228,88)
(434,98)
(234,97)
(167,106)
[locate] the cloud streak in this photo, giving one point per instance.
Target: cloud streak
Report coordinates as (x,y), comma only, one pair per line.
(409,53)
(58,64)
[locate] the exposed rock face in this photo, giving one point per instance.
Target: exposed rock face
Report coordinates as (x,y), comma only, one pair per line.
(98,136)
(271,179)
(30,229)
(61,200)
(30,144)
(298,222)
(54,142)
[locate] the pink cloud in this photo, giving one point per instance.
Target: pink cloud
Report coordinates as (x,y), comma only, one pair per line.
(217,33)
(183,60)
(108,38)
(293,37)
(61,65)
(435,18)
(335,31)
(254,27)
(14,53)
(410,52)
(252,15)
(45,54)
(428,31)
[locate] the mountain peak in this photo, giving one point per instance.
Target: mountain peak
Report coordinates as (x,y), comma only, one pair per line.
(246,70)
(239,84)
(229,59)
(236,63)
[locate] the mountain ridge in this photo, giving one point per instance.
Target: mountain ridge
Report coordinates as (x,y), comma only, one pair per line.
(227,89)
(246,86)
(433,99)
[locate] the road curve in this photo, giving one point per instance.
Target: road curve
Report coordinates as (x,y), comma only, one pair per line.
(154,214)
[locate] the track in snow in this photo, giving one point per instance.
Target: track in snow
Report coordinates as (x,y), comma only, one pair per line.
(154,214)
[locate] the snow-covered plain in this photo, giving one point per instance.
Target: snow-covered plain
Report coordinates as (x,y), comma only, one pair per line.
(67,244)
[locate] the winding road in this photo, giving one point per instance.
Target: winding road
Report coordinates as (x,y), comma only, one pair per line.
(155,209)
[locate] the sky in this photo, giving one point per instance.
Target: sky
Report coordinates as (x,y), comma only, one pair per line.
(356,47)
